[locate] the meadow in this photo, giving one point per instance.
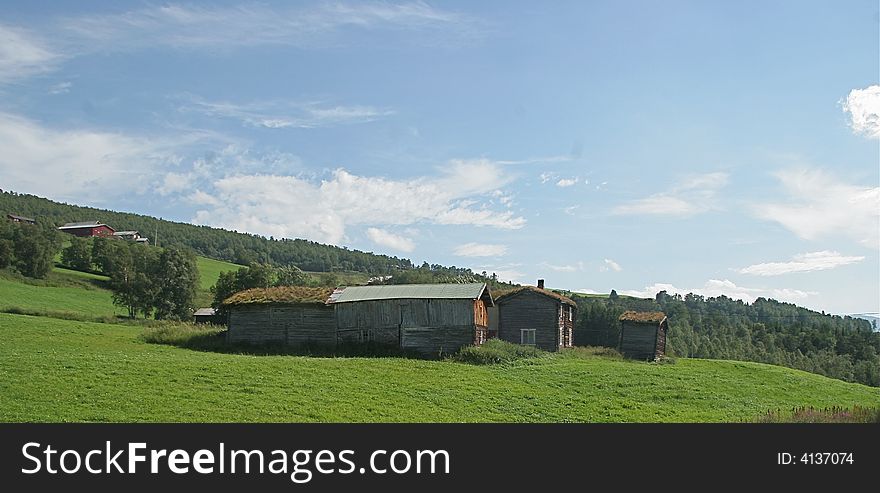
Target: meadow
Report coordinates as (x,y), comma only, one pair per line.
(61,370)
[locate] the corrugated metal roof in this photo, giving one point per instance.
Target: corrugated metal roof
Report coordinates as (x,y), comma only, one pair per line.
(410,291)
(86,224)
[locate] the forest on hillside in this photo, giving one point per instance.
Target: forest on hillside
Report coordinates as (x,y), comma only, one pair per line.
(766,331)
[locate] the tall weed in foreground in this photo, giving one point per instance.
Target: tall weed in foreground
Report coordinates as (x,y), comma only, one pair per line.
(856,414)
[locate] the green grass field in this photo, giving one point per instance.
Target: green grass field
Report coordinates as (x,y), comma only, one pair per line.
(59,370)
(64,291)
(210,269)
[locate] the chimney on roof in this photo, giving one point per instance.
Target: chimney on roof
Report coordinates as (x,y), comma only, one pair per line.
(540,284)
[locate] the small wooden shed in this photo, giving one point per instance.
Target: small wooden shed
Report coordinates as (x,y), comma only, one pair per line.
(205,316)
(643,334)
(428,318)
(285,315)
(536,316)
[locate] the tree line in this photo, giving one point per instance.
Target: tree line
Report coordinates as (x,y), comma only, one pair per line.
(145,280)
(766,331)
(29,249)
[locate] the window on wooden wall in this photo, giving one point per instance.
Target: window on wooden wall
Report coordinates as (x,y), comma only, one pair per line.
(527,337)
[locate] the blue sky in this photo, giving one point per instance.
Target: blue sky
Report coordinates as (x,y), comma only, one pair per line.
(713,147)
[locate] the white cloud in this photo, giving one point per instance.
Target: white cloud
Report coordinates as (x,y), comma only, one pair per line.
(22,55)
(564,268)
(570,210)
(285,114)
(76,164)
(60,88)
(390,240)
(545,177)
(221,27)
(694,195)
(610,265)
(863,105)
(480,250)
(715,288)
(567,182)
(805,262)
(820,206)
(505,273)
(174,182)
(292,206)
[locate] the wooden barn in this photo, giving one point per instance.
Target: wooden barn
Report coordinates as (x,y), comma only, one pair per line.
(285,315)
(643,335)
(535,316)
(88,228)
(428,318)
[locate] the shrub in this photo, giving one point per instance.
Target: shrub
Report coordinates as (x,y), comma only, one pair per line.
(184,334)
(495,351)
(591,352)
(857,414)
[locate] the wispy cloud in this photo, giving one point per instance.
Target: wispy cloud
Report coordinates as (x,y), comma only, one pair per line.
(222,27)
(804,262)
(295,206)
(610,265)
(480,250)
(83,164)
(563,268)
(284,114)
(22,55)
(567,182)
(716,287)
(863,106)
(61,88)
(820,205)
(694,195)
(390,240)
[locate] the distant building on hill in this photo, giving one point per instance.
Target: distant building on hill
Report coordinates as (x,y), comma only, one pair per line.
(131,236)
(20,219)
(643,335)
(88,228)
(535,316)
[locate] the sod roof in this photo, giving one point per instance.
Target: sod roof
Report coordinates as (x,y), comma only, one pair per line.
(281,294)
(503,294)
(642,317)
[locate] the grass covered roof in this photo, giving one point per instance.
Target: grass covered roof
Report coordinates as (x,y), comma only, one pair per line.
(502,294)
(644,317)
(280,294)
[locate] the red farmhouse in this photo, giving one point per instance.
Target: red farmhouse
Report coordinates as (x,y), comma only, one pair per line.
(88,228)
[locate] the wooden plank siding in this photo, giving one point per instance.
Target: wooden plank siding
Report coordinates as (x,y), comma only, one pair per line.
(530,310)
(294,324)
(644,341)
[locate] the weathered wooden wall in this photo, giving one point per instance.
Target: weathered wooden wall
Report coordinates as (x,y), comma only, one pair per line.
(530,310)
(281,323)
(638,340)
(426,325)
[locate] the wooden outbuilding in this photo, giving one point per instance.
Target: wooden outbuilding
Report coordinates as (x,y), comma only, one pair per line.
(281,315)
(205,316)
(643,335)
(535,316)
(427,318)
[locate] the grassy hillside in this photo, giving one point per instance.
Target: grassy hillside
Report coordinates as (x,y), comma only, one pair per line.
(85,294)
(58,370)
(64,291)
(210,270)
